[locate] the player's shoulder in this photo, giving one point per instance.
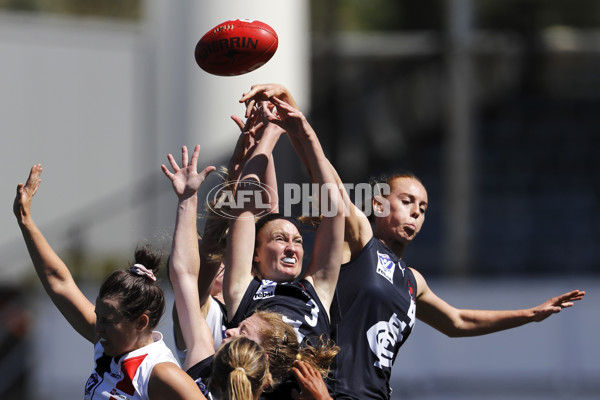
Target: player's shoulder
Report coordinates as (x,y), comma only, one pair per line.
(421,282)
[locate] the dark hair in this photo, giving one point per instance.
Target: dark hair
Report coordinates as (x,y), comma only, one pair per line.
(376,187)
(240,369)
(386,179)
(262,221)
(137,294)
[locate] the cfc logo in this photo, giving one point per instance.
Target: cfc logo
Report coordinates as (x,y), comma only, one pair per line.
(382,338)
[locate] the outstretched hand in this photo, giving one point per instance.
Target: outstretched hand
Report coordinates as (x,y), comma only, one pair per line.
(263,92)
(22,203)
(286,117)
(245,145)
(312,386)
(185,179)
(556,304)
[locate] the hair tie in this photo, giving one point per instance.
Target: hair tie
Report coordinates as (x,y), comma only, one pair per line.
(139,269)
(241,369)
(298,356)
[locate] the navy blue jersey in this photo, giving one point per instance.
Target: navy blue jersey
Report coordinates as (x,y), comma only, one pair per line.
(297,301)
(201,373)
(372,315)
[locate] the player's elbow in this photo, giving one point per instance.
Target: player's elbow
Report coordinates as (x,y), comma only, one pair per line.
(456,329)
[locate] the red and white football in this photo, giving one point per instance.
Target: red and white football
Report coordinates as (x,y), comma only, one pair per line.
(236,47)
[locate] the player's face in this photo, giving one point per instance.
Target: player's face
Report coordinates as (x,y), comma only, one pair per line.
(117,334)
(407,205)
(279,251)
(250,327)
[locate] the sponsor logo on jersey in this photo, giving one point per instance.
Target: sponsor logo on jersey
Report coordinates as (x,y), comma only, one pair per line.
(401,268)
(115,394)
(266,290)
(385,266)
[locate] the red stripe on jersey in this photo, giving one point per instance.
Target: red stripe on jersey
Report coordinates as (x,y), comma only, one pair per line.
(129,367)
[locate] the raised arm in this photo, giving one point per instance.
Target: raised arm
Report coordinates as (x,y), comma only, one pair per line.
(240,238)
(323,269)
(251,133)
(357,228)
(455,322)
(184,263)
(212,243)
(212,249)
(53,273)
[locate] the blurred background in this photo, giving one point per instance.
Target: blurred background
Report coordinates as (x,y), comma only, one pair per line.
(493,104)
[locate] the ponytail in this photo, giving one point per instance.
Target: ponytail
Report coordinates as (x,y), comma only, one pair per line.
(240,370)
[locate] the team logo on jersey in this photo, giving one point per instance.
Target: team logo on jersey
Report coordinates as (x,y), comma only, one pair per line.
(385,266)
(202,386)
(382,338)
(91,383)
(266,290)
(385,336)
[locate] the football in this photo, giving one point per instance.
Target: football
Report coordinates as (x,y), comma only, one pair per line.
(236,47)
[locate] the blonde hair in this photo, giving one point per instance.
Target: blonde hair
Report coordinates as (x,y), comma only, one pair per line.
(240,370)
(281,344)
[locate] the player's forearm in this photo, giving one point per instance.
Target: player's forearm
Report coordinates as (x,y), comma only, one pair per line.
(53,273)
(256,166)
(270,181)
(482,322)
(185,258)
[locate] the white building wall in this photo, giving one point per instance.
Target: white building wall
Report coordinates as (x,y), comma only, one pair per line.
(100,104)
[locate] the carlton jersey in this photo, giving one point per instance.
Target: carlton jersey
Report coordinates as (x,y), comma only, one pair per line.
(297,301)
(201,373)
(126,377)
(375,299)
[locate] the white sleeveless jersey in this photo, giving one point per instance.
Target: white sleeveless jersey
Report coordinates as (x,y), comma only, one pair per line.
(126,378)
(215,319)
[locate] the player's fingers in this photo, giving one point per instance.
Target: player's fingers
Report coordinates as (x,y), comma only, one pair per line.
(238,121)
(249,107)
(19,190)
(184,156)
(195,155)
(303,367)
(173,162)
(33,179)
(166,171)
(254,90)
(206,171)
